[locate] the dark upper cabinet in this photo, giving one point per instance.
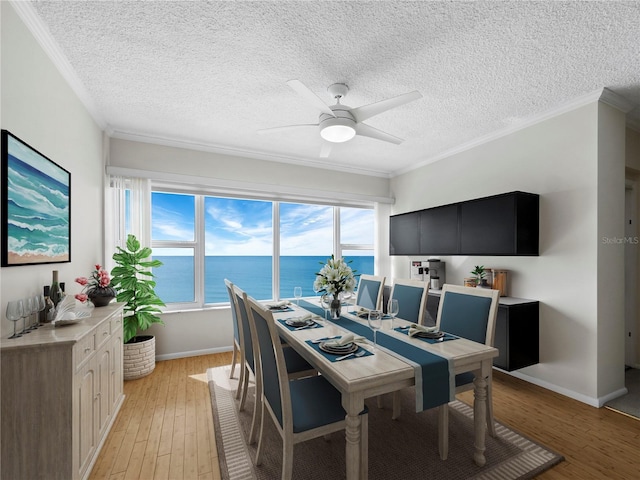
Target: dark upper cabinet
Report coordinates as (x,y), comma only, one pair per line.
(506,224)
(439,230)
(404,234)
(500,225)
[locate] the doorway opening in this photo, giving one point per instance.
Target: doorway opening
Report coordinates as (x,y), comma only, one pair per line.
(630,275)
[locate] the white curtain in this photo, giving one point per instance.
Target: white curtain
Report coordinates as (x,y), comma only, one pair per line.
(123,217)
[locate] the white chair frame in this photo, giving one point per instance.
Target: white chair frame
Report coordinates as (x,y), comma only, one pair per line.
(443,410)
(238,354)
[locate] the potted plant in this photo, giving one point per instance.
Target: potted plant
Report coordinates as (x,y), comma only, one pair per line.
(135,286)
(97,287)
(480,273)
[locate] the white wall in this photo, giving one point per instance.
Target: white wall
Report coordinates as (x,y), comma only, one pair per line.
(38,106)
(558,159)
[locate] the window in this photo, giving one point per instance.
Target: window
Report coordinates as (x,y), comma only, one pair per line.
(266,248)
(238,246)
(306,239)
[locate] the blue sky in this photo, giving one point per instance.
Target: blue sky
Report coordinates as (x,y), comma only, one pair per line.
(245,227)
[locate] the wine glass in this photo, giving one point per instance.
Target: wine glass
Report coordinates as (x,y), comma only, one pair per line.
(35,308)
(392,309)
(297,292)
(325,303)
(26,312)
(14,313)
(375,323)
(346,296)
(42,304)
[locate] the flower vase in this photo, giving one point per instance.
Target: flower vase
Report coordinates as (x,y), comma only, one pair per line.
(335,308)
(101,296)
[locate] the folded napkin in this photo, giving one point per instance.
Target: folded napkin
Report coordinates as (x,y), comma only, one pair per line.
(415,328)
(341,341)
(362,312)
(301,318)
(280,304)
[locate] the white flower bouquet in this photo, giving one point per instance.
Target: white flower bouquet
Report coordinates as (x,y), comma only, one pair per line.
(335,277)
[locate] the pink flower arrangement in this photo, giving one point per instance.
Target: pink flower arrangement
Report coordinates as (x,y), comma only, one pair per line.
(99,279)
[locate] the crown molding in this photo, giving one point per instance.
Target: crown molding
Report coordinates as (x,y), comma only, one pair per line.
(43,36)
(240,152)
(617,101)
(604,95)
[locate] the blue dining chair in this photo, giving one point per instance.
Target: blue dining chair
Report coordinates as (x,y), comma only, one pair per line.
(369,294)
(301,409)
(238,354)
(468,313)
(296,366)
(412,299)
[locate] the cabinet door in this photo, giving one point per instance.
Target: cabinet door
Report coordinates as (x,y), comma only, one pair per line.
(116,362)
(86,411)
(487,226)
(404,234)
(439,230)
(103,389)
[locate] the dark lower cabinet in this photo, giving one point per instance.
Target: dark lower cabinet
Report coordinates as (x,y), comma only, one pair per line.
(517,335)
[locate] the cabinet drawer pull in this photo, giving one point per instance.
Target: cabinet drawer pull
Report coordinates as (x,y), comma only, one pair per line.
(105,333)
(88,349)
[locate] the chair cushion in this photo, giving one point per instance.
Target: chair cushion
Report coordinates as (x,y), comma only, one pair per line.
(464,378)
(314,403)
(295,363)
(368,291)
(409,298)
(465,316)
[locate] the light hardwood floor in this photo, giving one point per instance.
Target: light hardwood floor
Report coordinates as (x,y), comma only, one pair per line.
(165,428)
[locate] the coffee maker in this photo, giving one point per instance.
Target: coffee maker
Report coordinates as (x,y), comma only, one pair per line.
(436,271)
(432,271)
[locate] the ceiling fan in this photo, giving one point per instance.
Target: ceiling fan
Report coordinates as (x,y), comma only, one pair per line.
(339,123)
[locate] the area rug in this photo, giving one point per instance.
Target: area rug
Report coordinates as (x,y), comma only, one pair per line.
(402,449)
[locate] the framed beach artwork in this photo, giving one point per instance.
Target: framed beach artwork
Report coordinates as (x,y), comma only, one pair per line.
(36,213)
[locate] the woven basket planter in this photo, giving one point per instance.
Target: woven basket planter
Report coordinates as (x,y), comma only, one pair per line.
(139,357)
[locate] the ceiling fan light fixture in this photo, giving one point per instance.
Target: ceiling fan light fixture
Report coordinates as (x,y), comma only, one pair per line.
(337,130)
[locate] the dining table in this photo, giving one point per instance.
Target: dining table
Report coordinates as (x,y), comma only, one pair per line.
(387,368)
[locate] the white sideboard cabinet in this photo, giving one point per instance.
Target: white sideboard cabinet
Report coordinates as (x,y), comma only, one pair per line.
(61,392)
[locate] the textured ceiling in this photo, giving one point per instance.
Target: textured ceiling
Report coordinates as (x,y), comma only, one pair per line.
(210,74)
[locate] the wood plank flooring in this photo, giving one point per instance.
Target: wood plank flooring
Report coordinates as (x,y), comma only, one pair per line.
(165,428)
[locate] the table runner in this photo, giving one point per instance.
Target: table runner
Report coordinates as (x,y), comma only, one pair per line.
(434,377)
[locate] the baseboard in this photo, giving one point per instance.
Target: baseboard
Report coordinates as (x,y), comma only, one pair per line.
(597,402)
(193,353)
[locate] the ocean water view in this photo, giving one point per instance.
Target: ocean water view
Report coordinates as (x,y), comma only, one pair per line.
(37,210)
(175,279)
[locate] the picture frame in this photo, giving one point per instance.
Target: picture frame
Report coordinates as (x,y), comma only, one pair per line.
(36,206)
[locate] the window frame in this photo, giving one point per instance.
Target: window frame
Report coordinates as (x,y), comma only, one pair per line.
(198,244)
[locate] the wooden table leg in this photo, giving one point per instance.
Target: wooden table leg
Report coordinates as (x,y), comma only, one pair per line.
(355,457)
(480,414)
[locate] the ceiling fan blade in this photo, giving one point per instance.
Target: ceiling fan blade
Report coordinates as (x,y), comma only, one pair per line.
(287,128)
(368,111)
(368,131)
(325,150)
(302,90)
